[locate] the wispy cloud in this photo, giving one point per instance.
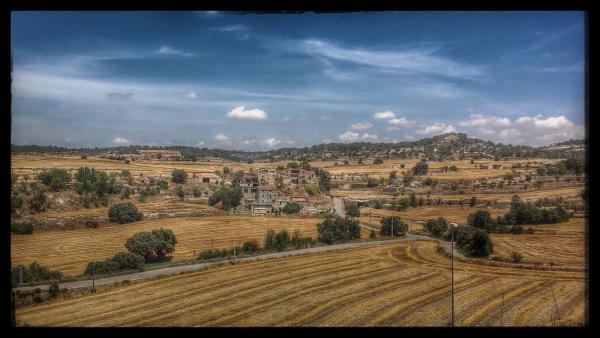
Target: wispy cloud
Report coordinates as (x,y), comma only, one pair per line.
(351,136)
(361,125)
(438,128)
(252,114)
(166,50)
(120,141)
(417,61)
(230,28)
(384,115)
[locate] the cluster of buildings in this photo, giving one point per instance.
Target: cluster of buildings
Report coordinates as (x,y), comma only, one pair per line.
(260,190)
(146,154)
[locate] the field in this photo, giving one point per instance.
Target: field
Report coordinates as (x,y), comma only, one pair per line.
(561,244)
(70,251)
(499,197)
(454,214)
(404,284)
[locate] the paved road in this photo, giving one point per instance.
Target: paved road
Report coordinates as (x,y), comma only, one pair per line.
(201,266)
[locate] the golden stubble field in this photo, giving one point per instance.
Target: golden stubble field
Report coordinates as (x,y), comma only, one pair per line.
(69,251)
(402,284)
(27,164)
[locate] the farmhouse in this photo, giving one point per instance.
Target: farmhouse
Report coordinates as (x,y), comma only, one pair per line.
(206,178)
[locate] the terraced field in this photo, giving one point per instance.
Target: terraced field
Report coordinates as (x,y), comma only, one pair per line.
(70,251)
(404,284)
(560,244)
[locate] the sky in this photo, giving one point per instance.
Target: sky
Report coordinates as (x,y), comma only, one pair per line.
(266,81)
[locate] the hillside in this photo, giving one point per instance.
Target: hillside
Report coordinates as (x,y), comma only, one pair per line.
(454,146)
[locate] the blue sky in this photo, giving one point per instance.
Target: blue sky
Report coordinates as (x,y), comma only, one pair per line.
(254,82)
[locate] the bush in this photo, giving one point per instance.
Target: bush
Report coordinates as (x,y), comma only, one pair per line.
(420,168)
(270,240)
(129,261)
(282,240)
(338,229)
(378,161)
(473,201)
(517,257)
(436,227)
(453,168)
(124,212)
(481,219)
(197,192)
(178,176)
(16,202)
(251,246)
(104,267)
(517,229)
(53,289)
(373,234)
(413,200)
(387,223)
(353,210)
(291,208)
(38,200)
(472,241)
(35,273)
(180,193)
(21,228)
(55,179)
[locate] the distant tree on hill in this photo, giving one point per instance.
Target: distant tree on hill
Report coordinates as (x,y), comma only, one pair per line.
(387,223)
(353,210)
(378,161)
(124,212)
(291,208)
(56,179)
(293,165)
(420,168)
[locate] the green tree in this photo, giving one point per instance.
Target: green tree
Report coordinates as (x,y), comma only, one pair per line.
(291,208)
(269,240)
(353,210)
(338,229)
(324,180)
(387,223)
(230,196)
(436,227)
(481,219)
(55,179)
(473,201)
(37,202)
(293,165)
(180,192)
(153,244)
(124,212)
(378,161)
(413,200)
(226,171)
(197,192)
(420,168)
(282,240)
(305,165)
(179,176)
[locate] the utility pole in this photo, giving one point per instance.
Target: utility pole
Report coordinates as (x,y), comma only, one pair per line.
(556,305)
(93,273)
(453,225)
(392,226)
(20,274)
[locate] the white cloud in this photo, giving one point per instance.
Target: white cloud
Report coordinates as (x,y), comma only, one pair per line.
(361,125)
(199,144)
(423,60)
(481,120)
(223,139)
(550,122)
(248,142)
(438,128)
(271,142)
(241,113)
(384,115)
(352,136)
(326,118)
(121,141)
(398,121)
(231,28)
(191,95)
(166,50)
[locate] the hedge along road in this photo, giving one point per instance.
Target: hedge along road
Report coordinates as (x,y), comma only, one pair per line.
(201,266)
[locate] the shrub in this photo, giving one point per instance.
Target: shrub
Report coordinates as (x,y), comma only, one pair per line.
(436,227)
(21,228)
(377,204)
(124,212)
(473,201)
(16,202)
(282,240)
(472,241)
(481,219)
(291,208)
(378,161)
(270,240)
(420,168)
(56,179)
(38,200)
(387,223)
(413,200)
(517,257)
(35,273)
(517,229)
(353,210)
(453,168)
(104,267)
(129,261)
(178,176)
(324,179)
(197,192)
(180,192)
(53,289)
(373,234)
(338,229)
(251,246)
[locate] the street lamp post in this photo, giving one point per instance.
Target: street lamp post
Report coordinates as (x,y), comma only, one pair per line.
(452,226)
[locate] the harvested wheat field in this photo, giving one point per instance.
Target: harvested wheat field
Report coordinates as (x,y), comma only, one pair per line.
(456,214)
(70,251)
(152,204)
(404,284)
(561,244)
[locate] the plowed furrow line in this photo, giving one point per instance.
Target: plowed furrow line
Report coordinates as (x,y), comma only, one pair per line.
(319,310)
(167,310)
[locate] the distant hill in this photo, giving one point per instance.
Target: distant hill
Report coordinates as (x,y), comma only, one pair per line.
(441,147)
